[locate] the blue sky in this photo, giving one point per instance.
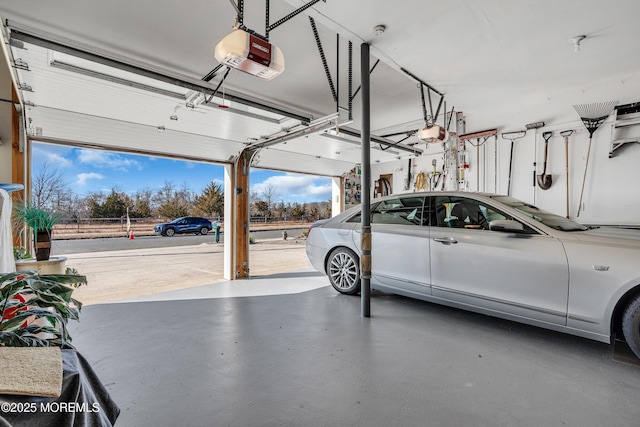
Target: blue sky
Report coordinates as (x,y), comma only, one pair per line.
(89,171)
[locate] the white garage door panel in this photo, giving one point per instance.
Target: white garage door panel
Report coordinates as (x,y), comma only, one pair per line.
(82,128)
(274,158)
(318,145)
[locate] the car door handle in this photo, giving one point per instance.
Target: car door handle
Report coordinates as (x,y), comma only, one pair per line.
(445,240)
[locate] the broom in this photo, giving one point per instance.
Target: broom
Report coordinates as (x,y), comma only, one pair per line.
(592,116)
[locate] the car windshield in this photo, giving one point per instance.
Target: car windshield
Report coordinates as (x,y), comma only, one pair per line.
(550,220)
(177,220)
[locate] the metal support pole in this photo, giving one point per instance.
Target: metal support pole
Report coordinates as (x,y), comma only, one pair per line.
(337,72)
(365,261)
(350,81)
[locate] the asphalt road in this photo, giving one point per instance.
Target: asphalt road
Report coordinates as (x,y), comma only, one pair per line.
(65,247)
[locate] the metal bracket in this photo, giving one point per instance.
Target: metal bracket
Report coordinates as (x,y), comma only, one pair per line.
(481,134)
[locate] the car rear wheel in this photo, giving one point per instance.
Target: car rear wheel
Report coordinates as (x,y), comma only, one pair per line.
(343,269)
(631,325)
(204,231)
(170,232)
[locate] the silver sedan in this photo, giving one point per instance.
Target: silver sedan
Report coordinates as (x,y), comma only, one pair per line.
(494,255)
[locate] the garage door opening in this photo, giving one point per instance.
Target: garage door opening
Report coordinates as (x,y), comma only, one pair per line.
(91,191)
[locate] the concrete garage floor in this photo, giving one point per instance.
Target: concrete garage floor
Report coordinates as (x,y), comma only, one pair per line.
(208,358)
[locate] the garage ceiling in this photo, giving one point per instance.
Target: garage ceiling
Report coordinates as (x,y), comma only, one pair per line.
(502,63)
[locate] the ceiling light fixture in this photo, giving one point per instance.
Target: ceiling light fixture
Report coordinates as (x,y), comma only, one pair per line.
(576,42)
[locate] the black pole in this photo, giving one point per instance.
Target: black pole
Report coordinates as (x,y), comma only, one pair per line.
(365,260)
(338,72)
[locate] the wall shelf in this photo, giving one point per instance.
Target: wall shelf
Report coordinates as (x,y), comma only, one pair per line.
(624,117)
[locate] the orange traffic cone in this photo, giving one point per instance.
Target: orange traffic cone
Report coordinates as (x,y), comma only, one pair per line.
(131,236)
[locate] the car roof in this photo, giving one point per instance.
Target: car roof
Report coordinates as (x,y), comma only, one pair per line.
(438,193)
(478,194)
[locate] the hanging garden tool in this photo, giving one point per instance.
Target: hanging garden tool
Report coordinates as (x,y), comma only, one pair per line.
(480,137)
(592,116)
(565,134)
(434,177)
(463,162)
(512,136)
(421,182)
(544,180)
(534,126)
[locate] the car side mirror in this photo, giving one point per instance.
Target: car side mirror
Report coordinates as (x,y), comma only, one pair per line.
(506,226)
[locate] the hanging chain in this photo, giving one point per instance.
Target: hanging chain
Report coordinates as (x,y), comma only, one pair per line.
(240,16)
(324,59)
(291,15)
(266,20)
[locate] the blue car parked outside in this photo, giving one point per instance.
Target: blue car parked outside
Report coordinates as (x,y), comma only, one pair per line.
(187,224)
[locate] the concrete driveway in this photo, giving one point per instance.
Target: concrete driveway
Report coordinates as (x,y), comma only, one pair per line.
(125,274)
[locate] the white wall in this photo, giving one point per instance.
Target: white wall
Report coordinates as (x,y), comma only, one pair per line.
(611,192)
(5,121)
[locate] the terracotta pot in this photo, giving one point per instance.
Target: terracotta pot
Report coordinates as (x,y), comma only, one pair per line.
(43,245)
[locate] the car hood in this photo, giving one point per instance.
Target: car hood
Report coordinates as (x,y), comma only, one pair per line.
(610,235)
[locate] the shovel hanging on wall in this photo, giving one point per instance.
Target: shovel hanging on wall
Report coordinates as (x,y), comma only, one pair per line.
(566,134)
(512,136)
(544,180)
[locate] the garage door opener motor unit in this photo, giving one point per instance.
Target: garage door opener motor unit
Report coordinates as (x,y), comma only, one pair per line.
(249,53)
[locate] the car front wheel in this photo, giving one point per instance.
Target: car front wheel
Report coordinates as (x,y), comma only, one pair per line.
(343,269)
(170,232)
(631,325)
(204,231)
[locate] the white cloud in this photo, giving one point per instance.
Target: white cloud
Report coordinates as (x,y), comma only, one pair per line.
(105,159)
(52,155)
(293,187)
(82,178)
(59,161)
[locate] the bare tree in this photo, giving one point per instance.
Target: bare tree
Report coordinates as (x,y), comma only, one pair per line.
(269,195)
(174,203)
(49,188)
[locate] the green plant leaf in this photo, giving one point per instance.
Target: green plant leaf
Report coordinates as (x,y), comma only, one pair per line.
(74,280)
(47,297)
(35,218)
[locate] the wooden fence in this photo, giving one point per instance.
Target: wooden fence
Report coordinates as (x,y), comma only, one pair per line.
(73,228)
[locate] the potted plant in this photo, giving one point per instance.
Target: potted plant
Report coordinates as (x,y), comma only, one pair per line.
(35,309)
(20,252)
(41,221)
